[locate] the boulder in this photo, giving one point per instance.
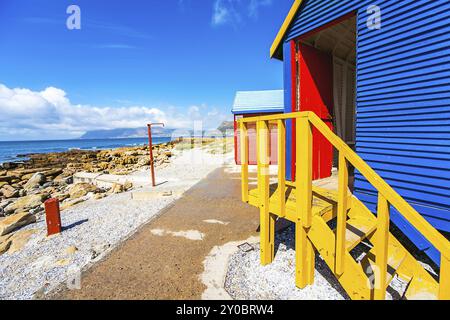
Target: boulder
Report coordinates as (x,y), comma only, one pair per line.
(25,203)
(35,181)
(20,239)
(116,188)
(81,189)
(13,222)
(9,192)
(53,172)
(5,243)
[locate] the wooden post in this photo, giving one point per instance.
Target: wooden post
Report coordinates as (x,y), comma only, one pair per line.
(267,220)
(244,160)
(303,170)
(282,166)
(341,214)
(303,185)
(382,236)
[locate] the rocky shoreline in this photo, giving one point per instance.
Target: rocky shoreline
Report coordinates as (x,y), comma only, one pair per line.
(25,186)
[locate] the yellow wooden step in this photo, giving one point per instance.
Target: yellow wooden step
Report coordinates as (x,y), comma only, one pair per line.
(396,256)
(421,289)
(321,205)
(358,228)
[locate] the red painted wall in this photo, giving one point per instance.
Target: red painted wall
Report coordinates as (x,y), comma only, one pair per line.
(316,94)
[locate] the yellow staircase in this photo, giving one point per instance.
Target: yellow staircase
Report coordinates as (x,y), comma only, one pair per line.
(315,210)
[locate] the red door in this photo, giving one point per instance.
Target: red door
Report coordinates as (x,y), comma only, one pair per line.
(316,94)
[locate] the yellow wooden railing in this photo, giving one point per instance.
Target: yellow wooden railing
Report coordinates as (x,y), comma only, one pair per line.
(387,196)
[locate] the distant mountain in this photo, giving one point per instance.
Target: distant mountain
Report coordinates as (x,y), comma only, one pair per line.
(126,133)
(226,126)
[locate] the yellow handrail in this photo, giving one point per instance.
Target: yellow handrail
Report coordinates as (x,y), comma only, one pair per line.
(386,195)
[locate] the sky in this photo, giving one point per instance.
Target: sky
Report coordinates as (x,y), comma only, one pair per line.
(132,62)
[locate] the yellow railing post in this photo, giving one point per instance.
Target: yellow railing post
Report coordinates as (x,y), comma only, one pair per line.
(303,171)
(244,160)
(303,182)
(444,279)
(342,208)
(381,247)
(267,220)
(282,165)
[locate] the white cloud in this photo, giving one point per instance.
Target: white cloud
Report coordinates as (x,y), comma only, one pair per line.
(49,114)
(232,11)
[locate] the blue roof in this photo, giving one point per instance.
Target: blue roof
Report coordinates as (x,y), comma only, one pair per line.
(258,101)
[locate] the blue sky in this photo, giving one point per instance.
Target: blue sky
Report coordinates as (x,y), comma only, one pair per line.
(132,61)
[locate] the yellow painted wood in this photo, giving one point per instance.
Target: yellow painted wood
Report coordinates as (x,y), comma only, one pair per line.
(381,248)
(267,220)
(304,257)
(303,171)
(244,160)
(341,214)
(284,27)
(282,165)
(444,279)
(315,233)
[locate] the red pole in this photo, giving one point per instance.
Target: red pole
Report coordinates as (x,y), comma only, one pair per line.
(150,145)
(52,216)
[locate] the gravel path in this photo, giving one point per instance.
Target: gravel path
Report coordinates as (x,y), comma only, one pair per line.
(247,279)
(94,228)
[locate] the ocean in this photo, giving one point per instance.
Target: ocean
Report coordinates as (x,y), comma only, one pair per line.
(10,150)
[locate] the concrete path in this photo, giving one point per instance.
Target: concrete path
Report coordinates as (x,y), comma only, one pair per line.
(164,260)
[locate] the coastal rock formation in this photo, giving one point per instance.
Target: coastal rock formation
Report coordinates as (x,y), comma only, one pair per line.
(25,185)
(11,223)
(25,203)
(81,189)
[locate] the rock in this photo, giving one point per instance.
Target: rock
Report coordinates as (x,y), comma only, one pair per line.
(9,165)
(3,183)
(5,243)
(25,203)
(60,196)
(62,262)
(53,172)
(35,181)
(7,179)
(71,250)
(9,192)
(2,173)
(22,193)
(127,185)
(81,189)
(20,239)
(116,188)
(62,179)
(13,222)
(67,204)
(5,203)
(99,196)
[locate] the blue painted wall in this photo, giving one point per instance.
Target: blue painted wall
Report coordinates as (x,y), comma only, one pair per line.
(403,101)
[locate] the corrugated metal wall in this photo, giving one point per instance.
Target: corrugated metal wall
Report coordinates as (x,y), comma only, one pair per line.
(403,101)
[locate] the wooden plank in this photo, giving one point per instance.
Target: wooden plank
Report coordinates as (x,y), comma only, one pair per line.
(381,248)
(303,181)
(282,166)
(244,160)
(341,214)
(267,220)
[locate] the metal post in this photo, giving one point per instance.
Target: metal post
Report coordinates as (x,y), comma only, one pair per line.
(52,216)
(150,145)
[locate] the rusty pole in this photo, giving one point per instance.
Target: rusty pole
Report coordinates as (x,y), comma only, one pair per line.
(150,145)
